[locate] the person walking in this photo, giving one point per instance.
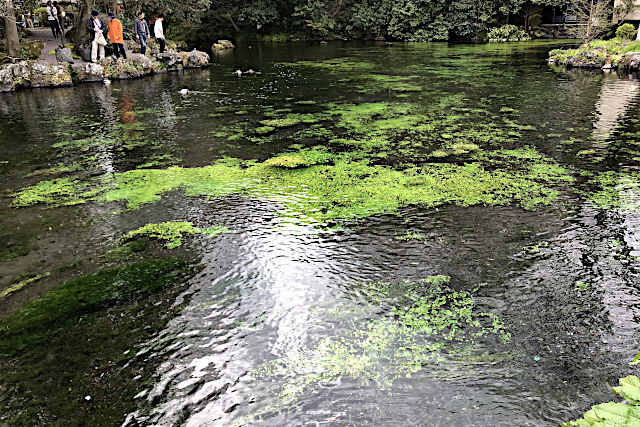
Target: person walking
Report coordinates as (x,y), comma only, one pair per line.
(116,37)
(59,17)
(158,31)
(141,29)
(96,29)
(52,19)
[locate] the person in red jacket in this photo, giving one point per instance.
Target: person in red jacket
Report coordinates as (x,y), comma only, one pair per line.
(115,36)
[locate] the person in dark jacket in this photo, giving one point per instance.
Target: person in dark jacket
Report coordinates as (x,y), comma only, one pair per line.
(96,27)
(141,30)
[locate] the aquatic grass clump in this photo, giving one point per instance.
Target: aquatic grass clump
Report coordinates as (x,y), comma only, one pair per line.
(427,319)
(300,159)
(172,232)
(618,190)
(65,306)
(56,192)
(347,189)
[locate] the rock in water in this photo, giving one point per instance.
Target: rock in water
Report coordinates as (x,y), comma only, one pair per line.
(64,55)
(184,91)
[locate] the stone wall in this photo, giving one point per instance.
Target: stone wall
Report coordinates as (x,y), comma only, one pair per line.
(33,74)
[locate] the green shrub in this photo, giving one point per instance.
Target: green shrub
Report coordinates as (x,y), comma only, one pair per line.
(41,13)
(626,31)
(507,33)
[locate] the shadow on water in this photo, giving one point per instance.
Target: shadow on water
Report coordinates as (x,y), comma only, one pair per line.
(254,338)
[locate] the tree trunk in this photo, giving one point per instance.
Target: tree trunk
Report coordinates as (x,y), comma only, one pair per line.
(80,36)
(233,22)
(11,29)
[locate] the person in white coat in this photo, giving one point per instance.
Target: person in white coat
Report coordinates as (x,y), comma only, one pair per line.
(52,19)
(158,31)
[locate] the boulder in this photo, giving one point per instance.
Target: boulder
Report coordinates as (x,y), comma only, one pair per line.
(88,72)
(226,43)
(19,74)
(169,58)
(85,53)
(194,59)
(217,46)
(6,78)
(136,65)
(630,61)
(64,55)
(50,75)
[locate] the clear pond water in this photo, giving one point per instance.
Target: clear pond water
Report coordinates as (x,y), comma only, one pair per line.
(514,303)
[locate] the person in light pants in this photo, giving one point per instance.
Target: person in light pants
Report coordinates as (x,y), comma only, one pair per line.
(95,27)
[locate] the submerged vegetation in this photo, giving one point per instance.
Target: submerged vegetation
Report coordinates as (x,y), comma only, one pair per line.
(617,190)
(68,355)
(172,232)
(426,320)
(65,306)
(441,158)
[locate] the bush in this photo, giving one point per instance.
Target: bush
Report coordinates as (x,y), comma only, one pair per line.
(41,13)
(626,31)
(507,33)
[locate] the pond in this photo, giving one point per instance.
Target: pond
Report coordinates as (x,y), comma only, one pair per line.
(418,234)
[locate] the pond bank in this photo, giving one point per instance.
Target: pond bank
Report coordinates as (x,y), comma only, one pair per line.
(605,54)
(37,74)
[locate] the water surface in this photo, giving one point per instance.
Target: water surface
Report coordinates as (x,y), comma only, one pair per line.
(562,278)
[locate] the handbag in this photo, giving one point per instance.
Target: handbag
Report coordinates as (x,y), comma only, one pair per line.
(101,40)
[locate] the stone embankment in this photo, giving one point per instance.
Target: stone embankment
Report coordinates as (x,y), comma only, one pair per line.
(35,74)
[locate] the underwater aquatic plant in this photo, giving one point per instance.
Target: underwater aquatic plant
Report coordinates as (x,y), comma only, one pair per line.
(427,319)
(172,232)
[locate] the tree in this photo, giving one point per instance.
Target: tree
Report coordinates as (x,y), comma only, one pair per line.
(593,15)
(10,27)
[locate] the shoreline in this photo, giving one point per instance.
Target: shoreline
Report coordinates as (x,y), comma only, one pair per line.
(40,74)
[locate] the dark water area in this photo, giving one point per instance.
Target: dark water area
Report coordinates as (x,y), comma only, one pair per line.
(286,322)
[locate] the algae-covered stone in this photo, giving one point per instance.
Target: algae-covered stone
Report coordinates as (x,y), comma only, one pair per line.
(194,59)
(170,59)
